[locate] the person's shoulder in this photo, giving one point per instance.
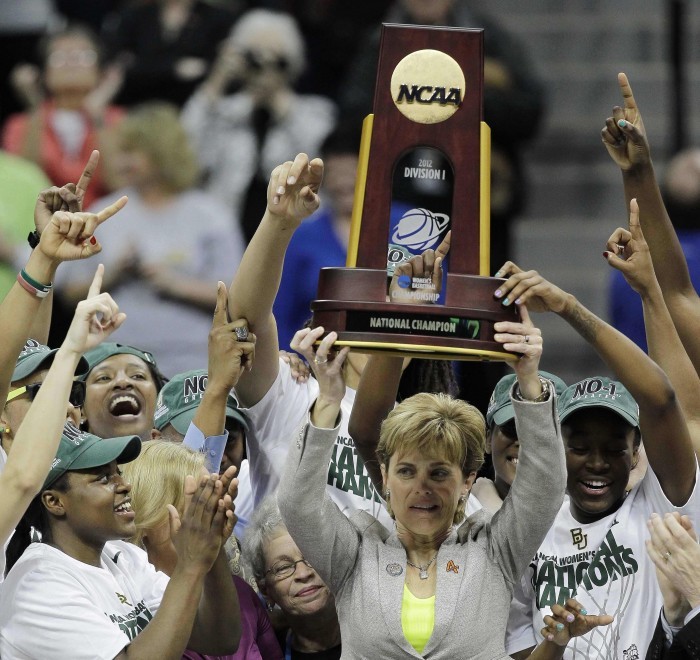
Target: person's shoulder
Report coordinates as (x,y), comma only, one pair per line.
(369,527)
(39,565)
(36,554)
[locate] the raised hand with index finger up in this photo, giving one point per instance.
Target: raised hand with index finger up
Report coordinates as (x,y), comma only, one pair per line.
(95,318)
(69,236)
(624,136)
(628,252)
(292,192)
(69,197)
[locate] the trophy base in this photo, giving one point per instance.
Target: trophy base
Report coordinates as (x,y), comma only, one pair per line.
(352,302)
(418,351)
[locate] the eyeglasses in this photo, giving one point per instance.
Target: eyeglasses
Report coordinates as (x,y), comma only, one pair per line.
(284,569)
(75,58)
(76,397)
(259,61)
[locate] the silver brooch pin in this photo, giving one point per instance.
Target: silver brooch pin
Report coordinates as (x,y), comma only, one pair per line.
(394,569)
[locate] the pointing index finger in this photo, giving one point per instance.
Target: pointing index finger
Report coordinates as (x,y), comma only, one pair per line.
(635,227)
(86,176)
(444,247)
(626,90)
(221,310)
(96,285)
(110,210)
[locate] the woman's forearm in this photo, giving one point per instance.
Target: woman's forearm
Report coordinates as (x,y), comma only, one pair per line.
(547,651)
(166,635)
(217,626)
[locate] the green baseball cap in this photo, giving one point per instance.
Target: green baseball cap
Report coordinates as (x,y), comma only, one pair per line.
(500,410)
(178,401)
(601,392)
(107,349)
(35,356)
(79,450)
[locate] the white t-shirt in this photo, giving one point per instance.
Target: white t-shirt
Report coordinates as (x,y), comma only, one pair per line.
(55,607)
(274,420)
(604,565)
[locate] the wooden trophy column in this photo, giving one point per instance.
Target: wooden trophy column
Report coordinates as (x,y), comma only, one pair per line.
(424,170)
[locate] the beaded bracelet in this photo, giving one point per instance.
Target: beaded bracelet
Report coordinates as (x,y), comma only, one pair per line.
(32,286)
(544,395)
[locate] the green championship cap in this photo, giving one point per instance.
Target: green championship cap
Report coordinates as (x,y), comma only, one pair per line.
(79,450)
(602,392)
(107,349)
(500,410)
(35,356)
(178,401)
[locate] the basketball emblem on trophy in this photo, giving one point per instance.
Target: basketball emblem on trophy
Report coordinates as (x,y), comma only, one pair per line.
(420,229)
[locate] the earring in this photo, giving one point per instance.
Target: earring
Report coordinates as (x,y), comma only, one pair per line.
(7,429)
(387,495)
(270,606)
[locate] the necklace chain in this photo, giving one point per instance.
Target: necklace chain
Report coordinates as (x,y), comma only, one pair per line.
(423,569)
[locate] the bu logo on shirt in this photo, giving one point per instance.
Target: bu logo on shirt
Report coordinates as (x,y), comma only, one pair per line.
(578,538)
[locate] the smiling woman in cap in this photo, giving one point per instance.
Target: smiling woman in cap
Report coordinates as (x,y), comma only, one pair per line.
(502,442)
(595,548)
(67,562)
(36,440)
(122,384)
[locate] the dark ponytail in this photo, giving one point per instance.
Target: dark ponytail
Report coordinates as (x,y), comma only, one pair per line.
(33,526)
(431,376)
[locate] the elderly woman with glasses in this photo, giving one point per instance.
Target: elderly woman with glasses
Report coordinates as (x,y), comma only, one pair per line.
(287,580)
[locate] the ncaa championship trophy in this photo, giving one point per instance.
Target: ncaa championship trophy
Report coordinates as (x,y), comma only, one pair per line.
(424,170)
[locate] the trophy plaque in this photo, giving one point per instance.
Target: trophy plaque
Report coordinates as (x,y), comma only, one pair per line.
(424,171)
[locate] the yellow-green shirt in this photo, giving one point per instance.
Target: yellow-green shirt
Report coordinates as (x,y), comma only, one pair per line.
(417,619)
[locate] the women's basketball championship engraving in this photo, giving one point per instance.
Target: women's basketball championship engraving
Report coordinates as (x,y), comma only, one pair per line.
(422,189)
